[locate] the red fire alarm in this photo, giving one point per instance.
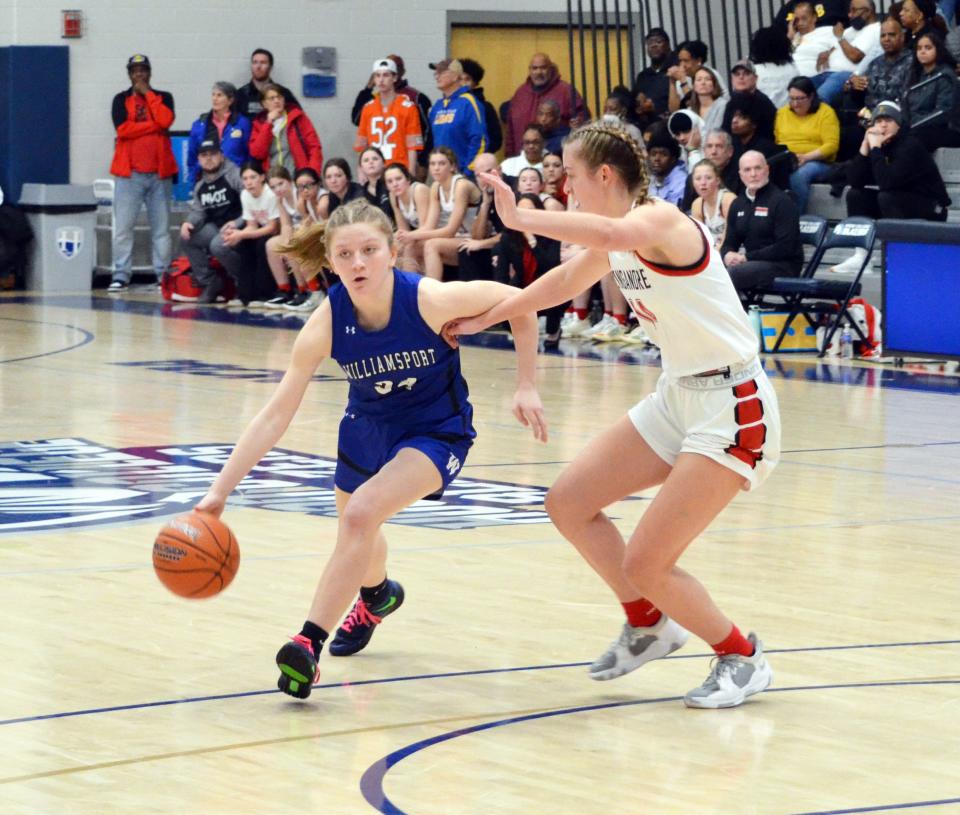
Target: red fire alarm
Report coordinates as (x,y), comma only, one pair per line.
(72,24)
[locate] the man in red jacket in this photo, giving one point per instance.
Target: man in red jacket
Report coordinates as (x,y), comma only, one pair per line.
(543,82)
(143,166)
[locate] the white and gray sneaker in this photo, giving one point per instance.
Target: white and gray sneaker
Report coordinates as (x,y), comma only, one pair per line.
(637,646)
(732,679)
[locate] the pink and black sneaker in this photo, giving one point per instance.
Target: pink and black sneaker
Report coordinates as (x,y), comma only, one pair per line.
(298,667)
(357,628)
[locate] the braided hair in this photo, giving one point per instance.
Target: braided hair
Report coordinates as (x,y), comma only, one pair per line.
(601,142)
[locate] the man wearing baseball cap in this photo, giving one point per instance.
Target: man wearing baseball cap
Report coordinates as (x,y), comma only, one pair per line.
(143,167)
(906,179)
(457,118)
(390,121)
(743,80)
(215,203)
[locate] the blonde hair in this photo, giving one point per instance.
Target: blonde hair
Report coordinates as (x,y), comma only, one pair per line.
(601,142)
(308,246)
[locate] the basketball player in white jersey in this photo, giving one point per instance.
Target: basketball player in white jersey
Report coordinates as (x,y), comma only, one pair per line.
(710,429)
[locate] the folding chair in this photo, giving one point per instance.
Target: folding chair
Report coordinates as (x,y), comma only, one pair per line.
(812,295)
(813,230)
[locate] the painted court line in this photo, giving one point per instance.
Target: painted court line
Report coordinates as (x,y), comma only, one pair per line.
(87,338)
(446,675)
(371,783)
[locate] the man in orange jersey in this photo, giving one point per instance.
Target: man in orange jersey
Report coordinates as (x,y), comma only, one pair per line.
(390,121)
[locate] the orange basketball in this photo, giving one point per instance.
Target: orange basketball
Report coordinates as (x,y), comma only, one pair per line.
(196,555)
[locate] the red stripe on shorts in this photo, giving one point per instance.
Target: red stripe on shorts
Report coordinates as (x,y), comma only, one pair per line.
(751,433)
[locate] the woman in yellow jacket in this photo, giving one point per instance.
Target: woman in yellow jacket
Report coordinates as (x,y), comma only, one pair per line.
(811,131)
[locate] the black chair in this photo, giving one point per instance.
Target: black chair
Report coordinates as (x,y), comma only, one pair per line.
(812,296)
(813,230)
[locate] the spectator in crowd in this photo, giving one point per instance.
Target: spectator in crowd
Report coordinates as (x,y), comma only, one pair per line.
(340,188)
(371,166)
(691,56)
(886,76)
(687,128)
(772,56)
(653,81)
(708,100)
(473,73)
(524,257)
(744,80)
(617,109)
(221,122)
(543,82)
(476,251)
(454,200)
(143,168)
(215,205)
(261,220)
(718,150)
(15,238)
(828,13)
(892,176)
(853,52)
(554,130)
(554,177)
(811,131)
(809,40)
(302,294)
(309,190)
(410,200)
(712,204)
(390,121)
(920,17)
(763,230)
(668,175)
(284,135)
(746,123)
(530,182)
(931,105)
(456,118)
(533,145)
(249,98)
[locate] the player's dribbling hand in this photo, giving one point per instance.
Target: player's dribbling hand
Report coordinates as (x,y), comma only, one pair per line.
(211,505)
(528,409)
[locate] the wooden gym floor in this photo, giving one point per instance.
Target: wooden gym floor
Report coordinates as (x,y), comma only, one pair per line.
(118,696)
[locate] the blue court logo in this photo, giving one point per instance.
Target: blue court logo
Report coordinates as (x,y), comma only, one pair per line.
(69,241)
(69,483)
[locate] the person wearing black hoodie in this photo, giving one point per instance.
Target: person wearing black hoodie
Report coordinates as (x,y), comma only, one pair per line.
(472,77)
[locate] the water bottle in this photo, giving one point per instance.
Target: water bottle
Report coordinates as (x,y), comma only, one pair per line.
(846,342)
(753,315)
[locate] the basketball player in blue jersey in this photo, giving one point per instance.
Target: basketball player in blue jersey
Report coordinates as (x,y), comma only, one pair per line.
(408,423)
(711,428)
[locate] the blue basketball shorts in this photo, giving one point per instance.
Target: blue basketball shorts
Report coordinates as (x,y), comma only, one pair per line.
(365,445)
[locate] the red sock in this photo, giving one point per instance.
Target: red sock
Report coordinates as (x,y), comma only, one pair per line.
(620,318)
(735,643)
(284,287)
(581,313)
(313,284)
(641,613)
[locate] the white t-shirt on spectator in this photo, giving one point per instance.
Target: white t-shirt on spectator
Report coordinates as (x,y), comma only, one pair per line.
(866,40)
(810,47)
(772,79)
(514,165)
(262,209)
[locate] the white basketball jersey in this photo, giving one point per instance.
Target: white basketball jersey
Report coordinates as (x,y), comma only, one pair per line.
(692,313)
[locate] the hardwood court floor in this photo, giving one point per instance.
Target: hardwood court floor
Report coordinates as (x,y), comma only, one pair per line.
(118,696)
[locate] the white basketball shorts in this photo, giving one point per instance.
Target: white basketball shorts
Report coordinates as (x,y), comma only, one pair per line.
(730,416)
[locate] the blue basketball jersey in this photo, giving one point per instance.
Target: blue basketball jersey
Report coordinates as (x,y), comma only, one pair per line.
(403,374)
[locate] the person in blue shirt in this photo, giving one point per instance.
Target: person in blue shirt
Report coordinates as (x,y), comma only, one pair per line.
(668,175)
(457,119)
(229,128)
(408,422)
